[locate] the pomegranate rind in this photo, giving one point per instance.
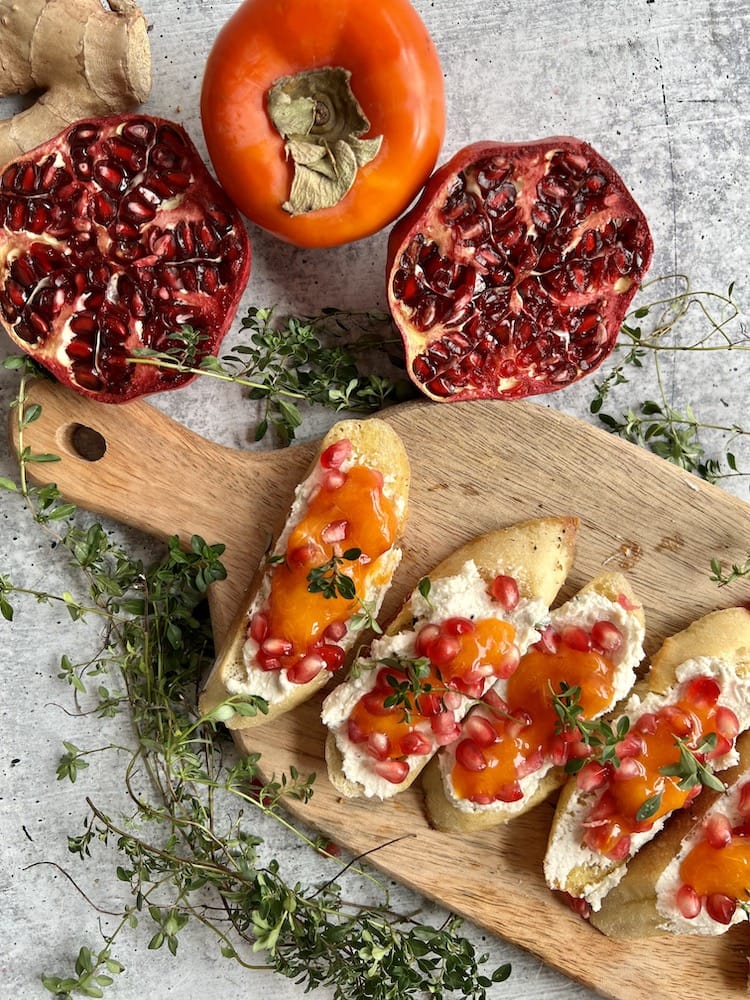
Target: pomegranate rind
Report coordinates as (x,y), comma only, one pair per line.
(512,274)
(113,238)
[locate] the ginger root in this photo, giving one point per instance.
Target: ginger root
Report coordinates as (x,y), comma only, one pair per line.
(85,59)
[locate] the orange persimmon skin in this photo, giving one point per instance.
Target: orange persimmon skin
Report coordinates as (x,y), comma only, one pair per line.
(395,75)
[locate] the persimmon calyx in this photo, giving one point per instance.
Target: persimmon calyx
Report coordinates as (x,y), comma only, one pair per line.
(322,122)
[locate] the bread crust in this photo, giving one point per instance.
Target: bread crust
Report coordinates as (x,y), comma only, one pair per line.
(444,815)
(538,553)
(723,635)
(375,444)
(630,909)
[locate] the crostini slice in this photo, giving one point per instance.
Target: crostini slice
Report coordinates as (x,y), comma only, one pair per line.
(683,723)
(464,626)
(515,744)
(324,578)
(694,878)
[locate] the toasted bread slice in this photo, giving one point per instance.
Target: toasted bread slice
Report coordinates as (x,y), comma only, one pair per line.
(497,796)
(352,505)
(645,902)
(535,558)
(716,647)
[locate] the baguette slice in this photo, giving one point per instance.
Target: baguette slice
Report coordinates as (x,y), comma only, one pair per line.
(645,903)
(712,652)
(286,640)
(512,774)
(537,555)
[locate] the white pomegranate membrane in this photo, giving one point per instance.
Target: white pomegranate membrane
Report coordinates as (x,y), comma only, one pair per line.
(512,274)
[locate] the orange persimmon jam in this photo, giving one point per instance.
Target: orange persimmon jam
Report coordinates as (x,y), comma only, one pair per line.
(714,864)
(637,793)
(507,738)
(411,708)
(327,567)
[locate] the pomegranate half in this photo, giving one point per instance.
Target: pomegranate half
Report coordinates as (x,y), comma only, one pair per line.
(113,237)
(512,273)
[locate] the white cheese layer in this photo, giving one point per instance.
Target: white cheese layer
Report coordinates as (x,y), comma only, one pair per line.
(669,883)
(567,851)
(461,595)
(584,611)
(273,685)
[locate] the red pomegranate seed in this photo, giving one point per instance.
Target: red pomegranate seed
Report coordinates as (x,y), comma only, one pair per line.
(480,730)
(373,702)
(576,638)
(333,656)
(726,722)
(470,756)
(266,662)
(379,745)
(717,830)
(703,692)
(647,723)
(471,686)
(630,746)
(306,669)
(336,454)
(429,704)
(516,724)
(720,907)
(679,721)
(606,635)
(355,732)
(333,480)
(505,591)
(302,555)
(579,905)
(452,700)
(335,632)
(458,626)
(276,646)
(549,641)
(688,902)
(532,763)
(425,638)
(335,531)
(496,703)
(415,744)
(509,793)
(621,849)
(592,775)
(394,771)
(508,664)
(626,603)
(258,628)
(445,728)
(743,803)
(630,767)
(444,649)
(559,751)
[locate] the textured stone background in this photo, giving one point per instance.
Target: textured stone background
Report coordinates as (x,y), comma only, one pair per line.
(662,88)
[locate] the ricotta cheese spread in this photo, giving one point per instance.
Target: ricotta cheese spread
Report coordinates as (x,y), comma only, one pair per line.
(462,595)
(582,610)
(567,851)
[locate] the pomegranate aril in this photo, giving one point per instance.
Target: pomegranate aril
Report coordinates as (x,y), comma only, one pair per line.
(743,804)
(576,638)
(606,635)
(336,454)
(415,744)
(509,793)
(469,756)
(335,531)
(333,656)
(703,692)
(720,907)
(717,829)
(258,627)
(335,631)
(688,902)
(592,776)
(394,771)
(306,669)
(504,590)
(479,729)
(459,626)
(378,745)
(426,636)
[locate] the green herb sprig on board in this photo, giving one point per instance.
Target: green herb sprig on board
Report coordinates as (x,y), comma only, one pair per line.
(185,845)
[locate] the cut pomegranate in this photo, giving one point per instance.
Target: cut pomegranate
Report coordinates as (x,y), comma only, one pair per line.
(113,238)
(513,272)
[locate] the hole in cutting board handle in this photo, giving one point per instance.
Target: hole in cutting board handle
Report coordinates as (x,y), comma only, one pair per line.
(87,443)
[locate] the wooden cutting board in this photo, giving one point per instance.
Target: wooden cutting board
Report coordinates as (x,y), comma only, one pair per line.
(475,467)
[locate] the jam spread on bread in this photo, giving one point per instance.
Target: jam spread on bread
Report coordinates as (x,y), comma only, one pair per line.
(348,522)
(638,792)
(508,738)
(454,658)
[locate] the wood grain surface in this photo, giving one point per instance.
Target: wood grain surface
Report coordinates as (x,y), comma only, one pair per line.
(475,467)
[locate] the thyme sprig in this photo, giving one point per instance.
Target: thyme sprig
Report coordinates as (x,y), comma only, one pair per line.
(723,578)
(293,361)
(185,846)
(330,581)
(673,434)
(602,738)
